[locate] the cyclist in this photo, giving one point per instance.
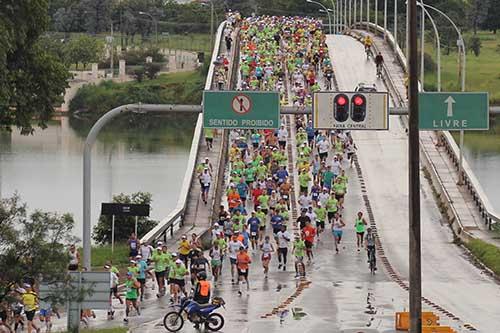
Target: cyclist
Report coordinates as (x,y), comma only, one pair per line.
(368,42)
(370,246)
(202,289)
(379,61)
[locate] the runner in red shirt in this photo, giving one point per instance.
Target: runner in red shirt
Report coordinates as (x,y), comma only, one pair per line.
(308,234)
(256,193)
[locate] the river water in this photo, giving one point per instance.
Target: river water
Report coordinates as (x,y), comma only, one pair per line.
(482,152)
(137,153)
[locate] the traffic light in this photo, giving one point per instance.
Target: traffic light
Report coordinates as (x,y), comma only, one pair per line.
(341,107)
(358,108)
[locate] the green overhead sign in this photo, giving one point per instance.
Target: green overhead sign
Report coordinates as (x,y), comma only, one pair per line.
(241,109)
(453,111)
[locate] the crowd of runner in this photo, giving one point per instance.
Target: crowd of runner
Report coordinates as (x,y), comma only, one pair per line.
(284,54)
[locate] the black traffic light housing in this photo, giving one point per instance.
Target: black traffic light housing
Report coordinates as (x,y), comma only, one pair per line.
(341,107)
(358,108)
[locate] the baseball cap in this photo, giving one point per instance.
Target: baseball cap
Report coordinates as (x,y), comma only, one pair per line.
(133,261)
(174,254)
(138,256)
(129,274)
(178,261)
(184,237)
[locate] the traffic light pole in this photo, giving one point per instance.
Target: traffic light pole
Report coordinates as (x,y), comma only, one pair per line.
(414,175)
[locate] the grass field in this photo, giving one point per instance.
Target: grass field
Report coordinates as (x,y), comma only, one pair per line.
(482,72)
(101,254)
(487,253)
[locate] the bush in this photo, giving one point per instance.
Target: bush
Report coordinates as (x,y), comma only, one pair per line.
(474,45)
(124,225)
(138,56)
(152,69)
(430,65)
(138,74)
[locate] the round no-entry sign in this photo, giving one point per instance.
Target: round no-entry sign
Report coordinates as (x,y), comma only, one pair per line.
(241,104)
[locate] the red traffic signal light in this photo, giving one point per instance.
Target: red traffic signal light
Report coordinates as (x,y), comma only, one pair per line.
(341,107)
(358,100)
(341,101)
(358,110)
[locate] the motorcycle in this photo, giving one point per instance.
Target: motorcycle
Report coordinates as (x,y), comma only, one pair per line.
(196,313)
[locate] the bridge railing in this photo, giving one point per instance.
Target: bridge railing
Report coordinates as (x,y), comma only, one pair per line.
(175,217)
(488,213)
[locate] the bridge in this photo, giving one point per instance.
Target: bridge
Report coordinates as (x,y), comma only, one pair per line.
(339,293)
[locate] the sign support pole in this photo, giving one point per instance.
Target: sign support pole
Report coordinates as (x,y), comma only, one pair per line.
(135,229)
(112,234)
(414,176)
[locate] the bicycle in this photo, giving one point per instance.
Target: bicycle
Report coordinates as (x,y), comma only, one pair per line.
(379,71)
(372,259)
(369,52)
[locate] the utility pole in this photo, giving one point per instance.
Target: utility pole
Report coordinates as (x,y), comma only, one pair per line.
(414,175)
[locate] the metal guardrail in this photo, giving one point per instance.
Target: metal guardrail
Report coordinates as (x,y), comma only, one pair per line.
(488,213)
(174,218)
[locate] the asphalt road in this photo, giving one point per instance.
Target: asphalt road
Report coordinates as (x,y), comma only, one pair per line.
(449,278)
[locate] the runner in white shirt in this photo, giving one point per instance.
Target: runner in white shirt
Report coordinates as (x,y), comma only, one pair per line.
(337,229)
(311,214)
(323,148)
(282,136)
(305,201)
(233,248)
(283,238)
(336,167)
(205,180)
(323,196)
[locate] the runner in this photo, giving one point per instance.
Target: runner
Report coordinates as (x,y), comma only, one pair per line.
(131,294)
(74,258)
(283,238)
(360,226)
(234,246)
(243,262)
(267,249)
(184,249)
(337,230)
(141,277)
(308,234)
(298,250)
(216,260)
(161,261)
(177,274)
(30,303)
(254,223)
(205,181)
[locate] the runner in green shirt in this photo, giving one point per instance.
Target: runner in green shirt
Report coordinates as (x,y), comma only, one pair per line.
(298,250)
(264,202)
(331,206)
(360,227)
(162,259)
(131,295)
(304,179)
(177,274)
(209,137)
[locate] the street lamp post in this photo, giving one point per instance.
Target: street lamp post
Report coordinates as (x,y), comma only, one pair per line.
(155,23)
(327,12)
(461,47)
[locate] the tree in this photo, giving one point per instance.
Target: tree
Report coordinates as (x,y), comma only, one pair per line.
(102,231)
(97,15)
(84,49)
(32,246)
(32,80)
(474,45)
(492,21)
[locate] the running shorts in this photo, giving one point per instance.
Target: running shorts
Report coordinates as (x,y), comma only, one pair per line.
(337,233)
(331,215)
(309,244)
(339,196)
(243,272)
(30,315)
(180,282)
(160,275)
(360,234)
(232,261)
(320,224)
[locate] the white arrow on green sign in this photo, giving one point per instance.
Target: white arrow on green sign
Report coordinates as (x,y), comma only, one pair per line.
(241,109)
(453,110)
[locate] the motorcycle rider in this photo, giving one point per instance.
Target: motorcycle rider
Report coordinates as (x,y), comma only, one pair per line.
(202,289)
